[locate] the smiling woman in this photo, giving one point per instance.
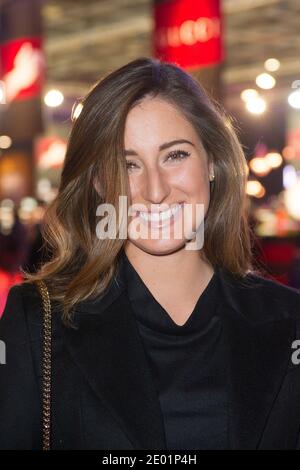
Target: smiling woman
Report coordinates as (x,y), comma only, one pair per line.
(167,338)
(123,144)
(175,174)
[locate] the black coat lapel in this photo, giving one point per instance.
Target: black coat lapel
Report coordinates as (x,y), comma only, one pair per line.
(107,348)
(259,352)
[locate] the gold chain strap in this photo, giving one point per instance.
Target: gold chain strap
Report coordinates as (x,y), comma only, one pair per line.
(46,392)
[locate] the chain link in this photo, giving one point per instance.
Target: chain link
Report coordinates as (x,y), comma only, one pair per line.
(46,365)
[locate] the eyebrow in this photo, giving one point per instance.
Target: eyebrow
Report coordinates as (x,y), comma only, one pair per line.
(163,146)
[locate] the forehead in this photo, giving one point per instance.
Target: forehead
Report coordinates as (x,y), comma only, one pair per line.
(154,121)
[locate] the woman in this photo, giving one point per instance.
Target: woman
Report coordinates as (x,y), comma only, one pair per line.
(163,338)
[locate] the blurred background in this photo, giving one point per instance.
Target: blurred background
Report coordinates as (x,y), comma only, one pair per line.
(244,52)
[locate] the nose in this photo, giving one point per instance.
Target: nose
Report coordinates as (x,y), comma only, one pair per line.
(156,187)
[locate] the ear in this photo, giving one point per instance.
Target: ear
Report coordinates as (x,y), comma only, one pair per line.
(211,170)
(97,186)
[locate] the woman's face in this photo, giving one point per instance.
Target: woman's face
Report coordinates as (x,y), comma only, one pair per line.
(167,168)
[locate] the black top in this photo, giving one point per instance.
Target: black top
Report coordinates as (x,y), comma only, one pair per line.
(102,396)
(187,364)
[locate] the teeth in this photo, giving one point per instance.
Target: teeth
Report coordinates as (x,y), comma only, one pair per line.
(159,216)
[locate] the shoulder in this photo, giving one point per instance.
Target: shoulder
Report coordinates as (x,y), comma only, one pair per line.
(22,307)
(261,298)
(22,295)
(271,287)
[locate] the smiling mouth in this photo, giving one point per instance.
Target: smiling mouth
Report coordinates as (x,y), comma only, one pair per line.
(161,216)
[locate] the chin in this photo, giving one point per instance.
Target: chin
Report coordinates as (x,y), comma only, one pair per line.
(159,247)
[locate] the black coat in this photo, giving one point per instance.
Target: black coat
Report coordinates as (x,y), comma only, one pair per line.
(103,396)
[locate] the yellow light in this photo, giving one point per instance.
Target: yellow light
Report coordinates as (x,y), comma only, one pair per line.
(271,65)
(53,98)
(294,99)
(255,188)
(5,141)
(274,159)
(256,105)
(260,166)
(265,81)
(248,94)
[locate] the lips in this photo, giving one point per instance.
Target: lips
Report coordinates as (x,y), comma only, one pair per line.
(162,217)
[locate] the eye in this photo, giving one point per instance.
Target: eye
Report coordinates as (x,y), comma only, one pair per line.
(175,155)
(178,155)
(130,165)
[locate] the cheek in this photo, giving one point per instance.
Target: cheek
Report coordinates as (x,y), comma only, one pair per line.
(193,180)
(134,186)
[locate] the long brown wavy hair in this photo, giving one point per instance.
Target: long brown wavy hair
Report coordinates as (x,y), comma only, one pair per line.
(81,265)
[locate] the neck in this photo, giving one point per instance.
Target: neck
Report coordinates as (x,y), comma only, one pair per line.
(175,272)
